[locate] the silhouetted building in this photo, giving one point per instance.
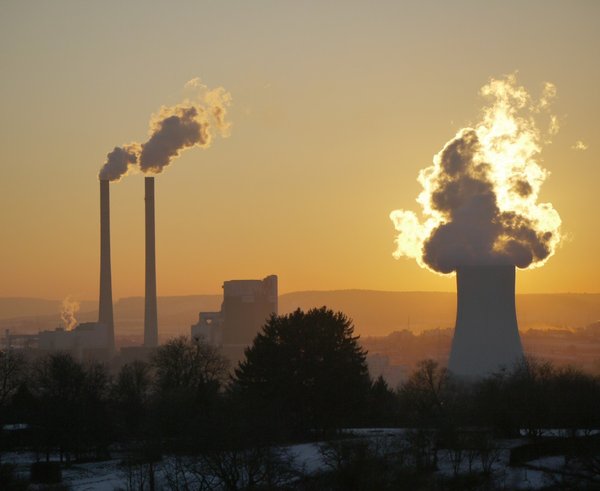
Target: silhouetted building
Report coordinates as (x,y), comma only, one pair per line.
(209,327)
(247,304)
(88,340)
(486,337)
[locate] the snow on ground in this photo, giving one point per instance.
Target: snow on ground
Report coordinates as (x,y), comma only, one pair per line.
(95,476)
(307,457)
(373,432)
(561,432)
(109,475)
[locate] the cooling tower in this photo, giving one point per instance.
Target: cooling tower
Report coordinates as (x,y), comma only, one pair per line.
(150,313)
(105,305)
(486,337)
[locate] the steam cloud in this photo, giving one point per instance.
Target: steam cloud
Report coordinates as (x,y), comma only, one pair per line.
(479,198)
(579,145)
(67,314)
(172,130)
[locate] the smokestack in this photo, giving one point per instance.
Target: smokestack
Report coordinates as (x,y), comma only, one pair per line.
(150,314)
(105,305)
(486,337)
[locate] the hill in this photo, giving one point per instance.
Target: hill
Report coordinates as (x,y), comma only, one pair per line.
(375,313)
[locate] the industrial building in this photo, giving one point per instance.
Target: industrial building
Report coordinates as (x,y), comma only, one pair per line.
(88,340)
(247,304)
(209,327)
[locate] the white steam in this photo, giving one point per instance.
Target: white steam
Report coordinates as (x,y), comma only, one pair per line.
(67,313)
(479,198)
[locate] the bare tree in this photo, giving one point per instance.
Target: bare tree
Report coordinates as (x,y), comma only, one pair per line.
(189,364)
(244,469)
(12,374)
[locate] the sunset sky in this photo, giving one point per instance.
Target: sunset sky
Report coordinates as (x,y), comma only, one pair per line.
(336,106)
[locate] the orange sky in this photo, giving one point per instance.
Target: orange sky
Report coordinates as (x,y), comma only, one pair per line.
(336,107)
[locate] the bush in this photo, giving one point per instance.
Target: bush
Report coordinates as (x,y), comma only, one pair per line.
(9,478)
(46,472)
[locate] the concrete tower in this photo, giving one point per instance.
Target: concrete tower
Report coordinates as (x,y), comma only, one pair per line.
(105,304)
(486,337)
(150,313)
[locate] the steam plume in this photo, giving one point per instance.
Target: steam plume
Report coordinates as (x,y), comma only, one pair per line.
(172,130)
(67,314)
(479,198)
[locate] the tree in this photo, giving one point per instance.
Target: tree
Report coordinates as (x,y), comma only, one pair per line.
(190,365)
(188,378)
(383,404)
(71,405)
(130,395)
(12,373)
(305,371)
(425,393)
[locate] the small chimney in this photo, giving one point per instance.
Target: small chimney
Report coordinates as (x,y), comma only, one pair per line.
(105,304)
(150,314)
(486,337)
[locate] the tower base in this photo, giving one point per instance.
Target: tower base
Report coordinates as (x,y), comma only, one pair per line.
(486,337)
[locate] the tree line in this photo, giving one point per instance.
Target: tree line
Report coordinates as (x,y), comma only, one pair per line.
(304,378)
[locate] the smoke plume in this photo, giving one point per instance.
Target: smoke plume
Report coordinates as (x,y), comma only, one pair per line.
(479,198)
(67,314)
(172,130)
(119,162)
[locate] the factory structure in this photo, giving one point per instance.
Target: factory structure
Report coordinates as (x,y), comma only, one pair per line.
(486,336)
(105,302)
(87,341)
(247,304)
(150,311)
(96,340)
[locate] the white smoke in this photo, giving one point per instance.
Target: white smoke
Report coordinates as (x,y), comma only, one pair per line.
(479,198)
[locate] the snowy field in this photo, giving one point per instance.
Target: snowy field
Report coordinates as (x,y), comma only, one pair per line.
(306,458)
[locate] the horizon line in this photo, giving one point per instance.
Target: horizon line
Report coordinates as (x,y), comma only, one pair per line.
(19,297)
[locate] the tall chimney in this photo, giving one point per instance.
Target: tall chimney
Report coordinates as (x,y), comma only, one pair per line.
(486,337)
(150,314)
(105,305)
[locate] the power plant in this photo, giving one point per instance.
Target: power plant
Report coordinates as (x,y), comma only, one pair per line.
(486,337)
(105,304)
(247,304)
(481,218)
(177,128)
(87,341)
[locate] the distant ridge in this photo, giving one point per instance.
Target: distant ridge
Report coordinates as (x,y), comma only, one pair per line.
(375,313)
(31,306)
